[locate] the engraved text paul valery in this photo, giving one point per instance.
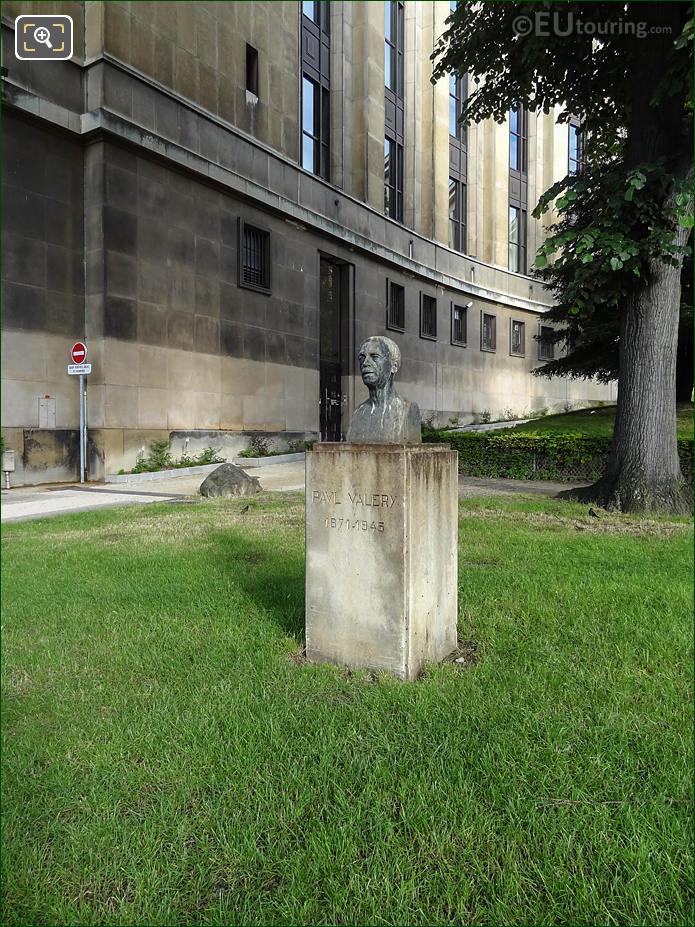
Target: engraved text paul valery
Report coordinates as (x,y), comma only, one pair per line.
(369,499)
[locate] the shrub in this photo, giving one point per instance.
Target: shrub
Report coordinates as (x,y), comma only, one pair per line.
(427,426)
(541,456)
(159,458)
(208,455)
(299,446)
(485,417)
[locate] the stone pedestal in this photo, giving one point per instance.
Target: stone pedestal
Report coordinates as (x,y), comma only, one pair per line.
(381,555)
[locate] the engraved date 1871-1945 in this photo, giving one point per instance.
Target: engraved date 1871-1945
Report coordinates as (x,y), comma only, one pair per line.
(356,525)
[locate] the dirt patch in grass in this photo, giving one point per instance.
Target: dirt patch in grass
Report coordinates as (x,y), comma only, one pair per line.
(602,523)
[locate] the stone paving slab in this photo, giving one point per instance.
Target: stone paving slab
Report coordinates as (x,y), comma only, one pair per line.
(18,506)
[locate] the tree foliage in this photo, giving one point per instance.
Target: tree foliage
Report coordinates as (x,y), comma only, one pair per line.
(619,212)
(614,254)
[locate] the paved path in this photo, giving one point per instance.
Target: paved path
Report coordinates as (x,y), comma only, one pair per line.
(26,502)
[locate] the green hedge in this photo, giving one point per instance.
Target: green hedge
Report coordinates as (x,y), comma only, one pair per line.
(543,456)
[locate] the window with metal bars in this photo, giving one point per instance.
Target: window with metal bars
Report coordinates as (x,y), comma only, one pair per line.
(488,332)
(517,338)
(546,344)
(428,316)
(459,325)
(395,302)
(254,257)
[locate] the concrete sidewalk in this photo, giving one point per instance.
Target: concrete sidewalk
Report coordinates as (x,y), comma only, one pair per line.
(25,502)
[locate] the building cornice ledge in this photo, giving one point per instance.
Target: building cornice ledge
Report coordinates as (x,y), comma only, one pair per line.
(103,121)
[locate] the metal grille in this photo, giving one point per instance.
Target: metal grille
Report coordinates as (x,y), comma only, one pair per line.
(428,317)
(459,319)
(517,337)
(488,333)
(396,306)
(255,268)
(546,345)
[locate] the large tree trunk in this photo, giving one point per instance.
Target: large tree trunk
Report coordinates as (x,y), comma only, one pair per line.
(643,472)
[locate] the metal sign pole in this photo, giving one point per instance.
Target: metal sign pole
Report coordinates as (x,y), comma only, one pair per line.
(86,459)
(81,429)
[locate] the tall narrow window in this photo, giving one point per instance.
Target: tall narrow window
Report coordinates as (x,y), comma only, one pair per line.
(393,46)
(457,215)
(393,179)
(518,187)
(428,316)
(459,325)
(310,124)
(517,338)
(457,95)
(252,70)
(518,139)
(575,148)
(395,300)
(316,113)
(394,39)
(488,332)
(517,239)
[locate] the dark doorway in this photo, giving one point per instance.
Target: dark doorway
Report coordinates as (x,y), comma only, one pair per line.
(332,347)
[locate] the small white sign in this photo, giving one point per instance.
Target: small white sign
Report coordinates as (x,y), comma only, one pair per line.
(81,369)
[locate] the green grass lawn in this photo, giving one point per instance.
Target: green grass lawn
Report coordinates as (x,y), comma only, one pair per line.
(169,758)
(599,422)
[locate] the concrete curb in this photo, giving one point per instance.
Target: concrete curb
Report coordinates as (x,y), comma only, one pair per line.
(491,426)
(203,470)
(251,462)
(159,474)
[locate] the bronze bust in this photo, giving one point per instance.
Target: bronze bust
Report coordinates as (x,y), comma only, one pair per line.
(383,418)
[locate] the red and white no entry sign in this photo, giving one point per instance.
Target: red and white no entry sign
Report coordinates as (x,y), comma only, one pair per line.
(78,352)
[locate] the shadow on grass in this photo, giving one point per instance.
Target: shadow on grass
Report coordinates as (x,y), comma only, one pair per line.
(272,578)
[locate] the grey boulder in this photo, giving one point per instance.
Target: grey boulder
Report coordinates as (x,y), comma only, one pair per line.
(229,480)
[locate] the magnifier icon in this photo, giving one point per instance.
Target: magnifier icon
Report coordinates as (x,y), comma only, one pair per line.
(43,35)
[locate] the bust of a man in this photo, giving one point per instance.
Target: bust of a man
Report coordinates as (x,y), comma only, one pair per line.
(384,418)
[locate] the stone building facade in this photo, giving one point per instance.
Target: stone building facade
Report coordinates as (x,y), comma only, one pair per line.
(224,199)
